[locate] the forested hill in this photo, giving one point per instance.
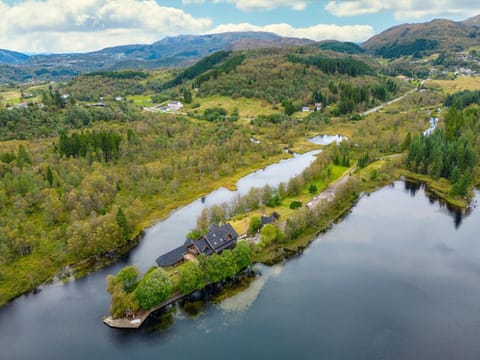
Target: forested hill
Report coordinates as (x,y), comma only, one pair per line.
(292,77)
(12,57)
(422,39)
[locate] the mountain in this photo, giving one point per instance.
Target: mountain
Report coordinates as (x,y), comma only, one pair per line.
(12,57)
(179,51)
(421,39)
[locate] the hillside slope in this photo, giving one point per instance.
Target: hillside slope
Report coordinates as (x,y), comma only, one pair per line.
(294,77)
(425,38)
(12,57)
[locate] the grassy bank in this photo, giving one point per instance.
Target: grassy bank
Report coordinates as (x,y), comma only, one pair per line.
(440,188)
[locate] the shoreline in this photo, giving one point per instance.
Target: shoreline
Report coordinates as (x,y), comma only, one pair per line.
(82,268)
(278,253)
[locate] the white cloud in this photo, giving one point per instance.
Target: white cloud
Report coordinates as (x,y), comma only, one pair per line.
(252,5)
(64,26)
(406,9)
(317,32)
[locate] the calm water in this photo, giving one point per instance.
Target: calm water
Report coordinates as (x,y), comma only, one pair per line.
(397,279)
(326,139)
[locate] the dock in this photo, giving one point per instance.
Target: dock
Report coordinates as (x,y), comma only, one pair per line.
(141,316)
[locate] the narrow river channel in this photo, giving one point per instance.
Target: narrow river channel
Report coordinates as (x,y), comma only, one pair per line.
(398,278)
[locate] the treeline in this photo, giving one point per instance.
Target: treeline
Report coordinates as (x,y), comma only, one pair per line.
(347,66)
(349,98)
(416,48)
(92,87)
(129,294)
(34,123)
(219,113)
(342,47)
(267,196)
(199,68)
(225,67)
(123,74)
(463,99)
(103,145)
(450,152)
(352,96)
(321,215)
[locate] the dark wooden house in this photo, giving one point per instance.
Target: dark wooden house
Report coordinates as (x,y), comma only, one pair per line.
(217,239)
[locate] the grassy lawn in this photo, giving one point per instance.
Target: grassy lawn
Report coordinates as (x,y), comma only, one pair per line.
(140,100)
(11,97)
(248,108)
(459,84)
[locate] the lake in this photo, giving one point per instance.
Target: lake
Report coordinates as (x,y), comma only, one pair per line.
(398,278)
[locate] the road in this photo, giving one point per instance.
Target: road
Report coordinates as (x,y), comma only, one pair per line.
(329,193)
(375,109)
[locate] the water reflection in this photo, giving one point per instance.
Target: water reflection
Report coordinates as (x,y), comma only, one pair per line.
(458,214)
(327,139)
(412,187)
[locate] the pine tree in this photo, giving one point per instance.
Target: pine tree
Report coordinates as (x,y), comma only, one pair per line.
(23,157)
(122,222)
(49,176)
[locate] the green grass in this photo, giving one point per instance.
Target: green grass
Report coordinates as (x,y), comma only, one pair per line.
(11,97)
(240,223)
(248,108)
(459,84)
(140,100)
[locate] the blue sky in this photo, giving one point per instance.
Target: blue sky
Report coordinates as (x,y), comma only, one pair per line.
(87,25)
(313,14)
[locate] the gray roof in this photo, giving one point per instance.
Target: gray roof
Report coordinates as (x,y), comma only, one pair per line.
(221,237)
(172,257)
(268,220)
(216,240)
(203,247)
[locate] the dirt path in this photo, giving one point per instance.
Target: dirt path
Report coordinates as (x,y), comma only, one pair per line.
(380,107)
(329,193)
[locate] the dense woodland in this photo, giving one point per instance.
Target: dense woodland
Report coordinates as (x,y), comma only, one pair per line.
(301,78)
(453,151)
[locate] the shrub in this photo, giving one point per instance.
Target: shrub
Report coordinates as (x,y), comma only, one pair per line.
(295,205)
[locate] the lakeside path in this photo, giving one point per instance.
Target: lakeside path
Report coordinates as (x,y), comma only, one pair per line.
(329,193)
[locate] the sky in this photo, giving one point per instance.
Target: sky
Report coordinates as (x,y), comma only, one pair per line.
(55,26)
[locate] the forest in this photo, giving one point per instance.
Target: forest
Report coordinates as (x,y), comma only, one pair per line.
(300,77)
(451,152)
(415,48)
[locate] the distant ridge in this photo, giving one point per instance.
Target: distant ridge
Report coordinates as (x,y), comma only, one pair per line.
(12,57)
(421,39)
(178,51)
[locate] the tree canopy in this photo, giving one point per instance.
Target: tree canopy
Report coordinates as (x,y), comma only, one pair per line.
(154,288)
